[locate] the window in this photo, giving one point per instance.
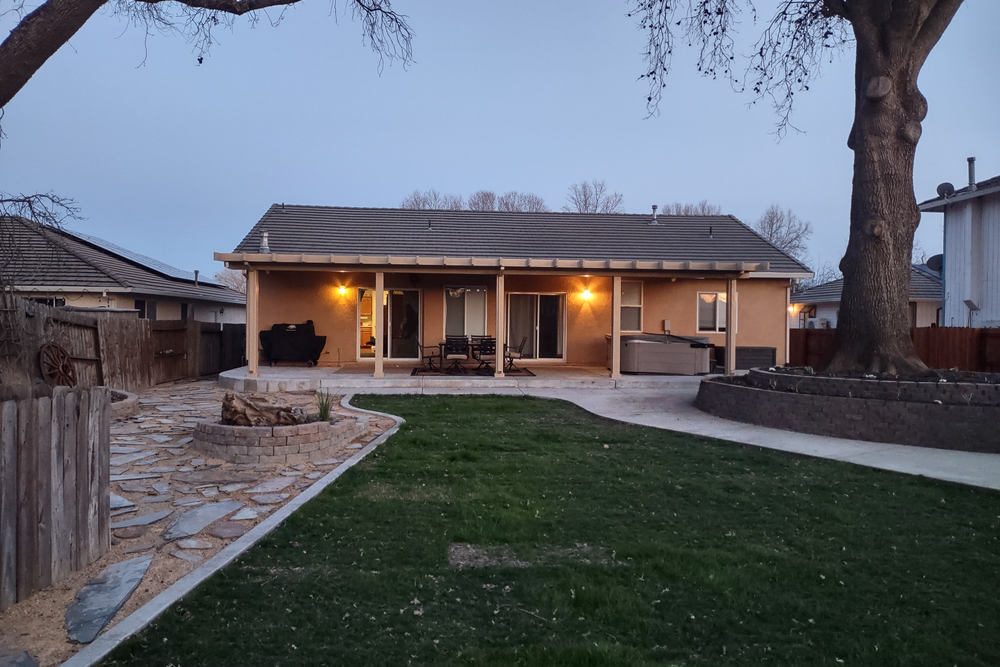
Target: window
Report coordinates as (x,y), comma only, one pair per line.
(147,309)
(465,311)
(712,311)
(184,311)
(55,301)
(631,306)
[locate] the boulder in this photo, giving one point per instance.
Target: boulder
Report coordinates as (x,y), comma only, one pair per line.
(251,410)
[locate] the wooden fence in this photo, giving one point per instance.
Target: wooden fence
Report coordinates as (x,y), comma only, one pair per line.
(54,488)
(119,350)
(938,347)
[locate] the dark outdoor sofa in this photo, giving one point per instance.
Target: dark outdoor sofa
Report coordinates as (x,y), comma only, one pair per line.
(292,342)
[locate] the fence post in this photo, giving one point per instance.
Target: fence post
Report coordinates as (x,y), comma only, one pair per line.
(8,504)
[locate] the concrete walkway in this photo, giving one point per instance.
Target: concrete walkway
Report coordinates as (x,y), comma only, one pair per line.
(659,401)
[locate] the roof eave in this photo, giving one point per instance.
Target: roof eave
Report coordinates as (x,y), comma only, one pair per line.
(939,204)
(754,269)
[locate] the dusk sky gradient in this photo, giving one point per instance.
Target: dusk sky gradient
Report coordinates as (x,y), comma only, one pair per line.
(178,160)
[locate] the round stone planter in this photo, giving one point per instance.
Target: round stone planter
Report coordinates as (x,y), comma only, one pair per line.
(959,416)
(125,407)
(301,443)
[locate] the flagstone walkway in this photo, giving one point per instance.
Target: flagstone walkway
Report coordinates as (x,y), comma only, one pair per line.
(173,503)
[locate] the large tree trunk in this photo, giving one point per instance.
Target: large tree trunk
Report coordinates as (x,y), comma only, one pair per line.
(873,327)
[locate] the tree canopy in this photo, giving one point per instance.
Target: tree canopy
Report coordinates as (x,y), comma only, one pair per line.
(891,42)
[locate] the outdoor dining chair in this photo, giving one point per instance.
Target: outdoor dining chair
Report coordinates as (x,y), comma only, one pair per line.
(456,350)
(513,353)
(484,350)
(429,356)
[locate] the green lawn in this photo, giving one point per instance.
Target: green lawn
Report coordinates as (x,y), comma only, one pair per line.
(612,545)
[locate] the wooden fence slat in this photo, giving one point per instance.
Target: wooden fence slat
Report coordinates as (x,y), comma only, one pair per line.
(94,476)
(8,504)
(43,489)
(60,560)
(27,500)
(102,397)
(80,441)
(71,417)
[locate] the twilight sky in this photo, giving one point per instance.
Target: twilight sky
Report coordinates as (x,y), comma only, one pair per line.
(178,160)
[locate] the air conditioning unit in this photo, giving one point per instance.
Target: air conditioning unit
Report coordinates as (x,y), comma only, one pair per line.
(817,323)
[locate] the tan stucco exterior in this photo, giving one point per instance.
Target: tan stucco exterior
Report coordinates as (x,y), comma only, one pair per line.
(293,296)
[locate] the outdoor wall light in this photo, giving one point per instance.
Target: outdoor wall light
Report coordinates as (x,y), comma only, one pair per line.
(342,290)
(586,295)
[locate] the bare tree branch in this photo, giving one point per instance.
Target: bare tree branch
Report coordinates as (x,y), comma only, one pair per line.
(784,230)
(593,197)
(235,280)
(701,208)
(432,200)
(43,31)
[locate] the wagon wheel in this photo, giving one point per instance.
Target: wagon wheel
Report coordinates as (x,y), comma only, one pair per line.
(56,366)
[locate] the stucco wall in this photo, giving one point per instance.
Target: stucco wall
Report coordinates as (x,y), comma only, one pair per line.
(297,296)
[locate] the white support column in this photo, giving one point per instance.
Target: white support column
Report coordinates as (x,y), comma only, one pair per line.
(616,327)
(501,328)
(377,313)
(253,323)
(731,326)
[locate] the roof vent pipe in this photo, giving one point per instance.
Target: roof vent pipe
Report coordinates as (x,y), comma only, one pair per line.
(264,249)
(196,277)
(653,221)
(972,174)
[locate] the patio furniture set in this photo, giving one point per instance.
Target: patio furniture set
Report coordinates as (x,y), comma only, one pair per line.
(451,355)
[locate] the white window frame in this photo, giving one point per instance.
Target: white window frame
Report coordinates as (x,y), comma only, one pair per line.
(624,306)
(465,295)
(720,312)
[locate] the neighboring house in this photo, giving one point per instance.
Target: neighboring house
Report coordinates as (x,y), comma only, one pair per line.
(971,251)
(378,283)
(62,268)
(817,306)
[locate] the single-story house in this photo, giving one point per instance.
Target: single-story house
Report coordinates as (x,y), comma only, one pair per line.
(379,283)
(58,267)
(971,250)
(816,307)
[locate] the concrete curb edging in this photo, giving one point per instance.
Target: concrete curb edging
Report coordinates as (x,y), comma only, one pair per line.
(146,614)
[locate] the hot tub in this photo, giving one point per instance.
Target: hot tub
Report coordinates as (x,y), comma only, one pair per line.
(663,353)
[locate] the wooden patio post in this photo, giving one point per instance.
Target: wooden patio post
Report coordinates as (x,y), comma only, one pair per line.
(501,328)
(616,327)
(788,325)
(377,313)
(253,324)
(731,326)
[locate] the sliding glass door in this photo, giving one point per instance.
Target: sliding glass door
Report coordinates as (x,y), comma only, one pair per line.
(400,322)
(538,320)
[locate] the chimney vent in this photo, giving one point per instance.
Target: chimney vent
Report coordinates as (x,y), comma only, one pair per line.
(264,249)
(972,174)
(653,221)
(196,277)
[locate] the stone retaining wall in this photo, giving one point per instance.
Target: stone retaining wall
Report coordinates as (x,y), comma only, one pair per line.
(947,393)
(966,427)
(276,444)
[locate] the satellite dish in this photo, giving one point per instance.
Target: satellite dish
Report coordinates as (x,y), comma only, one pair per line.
(945,190)
(935,262)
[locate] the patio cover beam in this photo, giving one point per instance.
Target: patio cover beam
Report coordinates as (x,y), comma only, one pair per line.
(354,262)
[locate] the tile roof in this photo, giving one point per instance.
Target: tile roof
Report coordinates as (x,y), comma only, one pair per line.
(35,256)
(925,285)
(329,230)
